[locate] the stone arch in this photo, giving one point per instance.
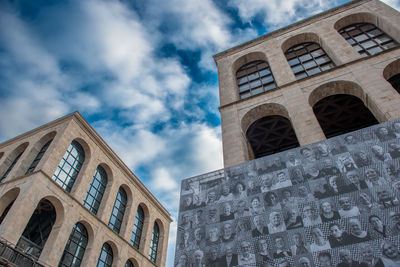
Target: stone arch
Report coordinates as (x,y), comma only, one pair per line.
(356,18)
(366,17)
(59,207)
(334,88)
(300,38)
(146,224)
(36,149)
(261,111)
(160,248)
(12,159)
(391,73)
(89,230)
(106,194)
(7,200)
(252,56)
(341,107)
(275,118)
(87,156)
(134,262)
(114,248)
(391,69)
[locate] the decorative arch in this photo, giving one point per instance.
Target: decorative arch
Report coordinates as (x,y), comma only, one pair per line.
(12,160)
(268,130)
(392,74)
(261,111)
(157,239)
(367,33)
(339,107)
(38,150)
(300,38)
(252,56)
(133,261)
(363,17)
(6,202)
(74,160)
(253,75)
(59,207)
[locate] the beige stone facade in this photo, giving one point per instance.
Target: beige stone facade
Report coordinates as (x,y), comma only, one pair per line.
(27,190)
(363,77)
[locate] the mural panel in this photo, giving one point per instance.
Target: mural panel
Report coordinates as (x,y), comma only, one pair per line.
(332,203)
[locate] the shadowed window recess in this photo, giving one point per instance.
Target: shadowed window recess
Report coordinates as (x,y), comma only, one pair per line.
(270,135)
(38,229)
(38,157)
(70,165)
(367,39)
(339,114)
(307,59)
(254,78)
(395,82)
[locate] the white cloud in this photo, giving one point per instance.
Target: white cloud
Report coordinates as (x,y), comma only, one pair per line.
(279,13)
(162,180)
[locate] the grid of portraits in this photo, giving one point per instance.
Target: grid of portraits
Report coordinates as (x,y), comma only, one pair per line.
(332,203)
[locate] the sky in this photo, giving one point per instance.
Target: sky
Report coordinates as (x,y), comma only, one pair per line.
(140,72)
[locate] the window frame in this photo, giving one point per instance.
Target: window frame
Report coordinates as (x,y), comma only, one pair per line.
(80,243)
(106,248)
(38,157)
(120,201)
(100,179)
(155,238)
(137,228)
(66,166)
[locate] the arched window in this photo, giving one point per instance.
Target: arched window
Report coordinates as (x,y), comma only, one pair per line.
(75,248)
(38,229)
(254,78)
(105,257)
(129,264)
(154,243)
(96,190)
(137,228)
(341,113)
(38,157)
(307,59)
(395,82)
(270,135)
(367,39)
(11,166)
(118,212)
(70,165)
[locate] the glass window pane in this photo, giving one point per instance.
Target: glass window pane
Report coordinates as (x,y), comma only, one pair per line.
(301,75)
(374,50)
(297,69)
(367,27)
(264,72)
(257,91)
(244,88)
(309,64)
(313,71)
(374,33)
(267,79)
(293,61)
(361,37)
(255,84)
(368,44)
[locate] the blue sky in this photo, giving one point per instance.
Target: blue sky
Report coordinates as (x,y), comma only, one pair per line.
(141,72)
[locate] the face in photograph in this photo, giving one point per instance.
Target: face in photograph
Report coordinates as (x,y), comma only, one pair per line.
(325,259)
(304,262)
(345,256)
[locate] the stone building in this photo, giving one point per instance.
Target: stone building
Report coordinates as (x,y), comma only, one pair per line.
(305,68)
(310,118)
(67,199)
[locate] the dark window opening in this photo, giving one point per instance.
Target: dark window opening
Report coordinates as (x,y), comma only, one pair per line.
(5,212)
(11,167)
(270,135)
(129,264)
(38,157)
(339,114)
(38,229)
(395,82)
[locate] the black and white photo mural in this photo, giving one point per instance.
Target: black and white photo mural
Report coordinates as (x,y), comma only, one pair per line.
(332,203)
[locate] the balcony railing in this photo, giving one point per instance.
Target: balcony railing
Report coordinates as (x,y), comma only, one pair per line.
(13,256)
